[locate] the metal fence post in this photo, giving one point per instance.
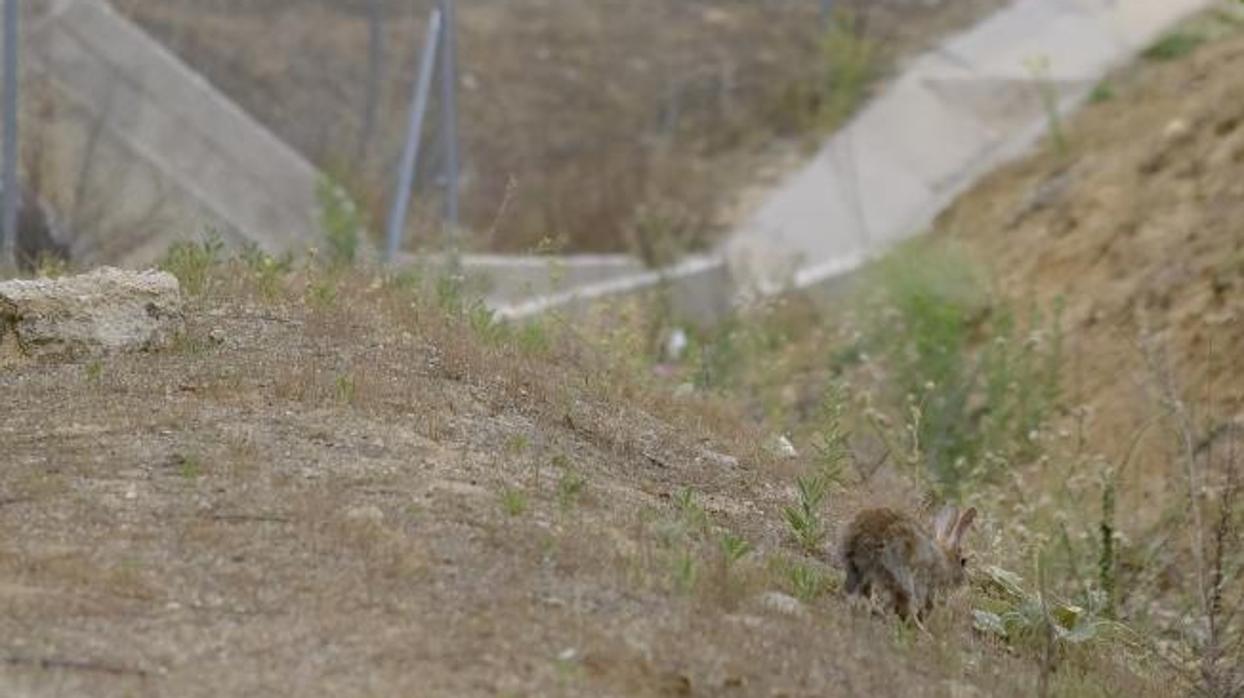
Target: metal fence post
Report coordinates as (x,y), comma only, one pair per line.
(410,154)
(8,231)
(449,127)
(827,10)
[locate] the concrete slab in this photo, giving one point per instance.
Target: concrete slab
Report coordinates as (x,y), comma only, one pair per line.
(208,161)
(956,112)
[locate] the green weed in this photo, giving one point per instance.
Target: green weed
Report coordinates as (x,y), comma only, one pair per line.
(685,571)
(733,548)
(513,501)
(974,385)
(341,221)
(345,389)
(322,292)
(189,466)
(1103,92)
(269,271)
(807,583)
(192,262)
(690,512)
(532,338)
(570,488)
(1029,618)
(831,441)
(1173,46)
(804,518)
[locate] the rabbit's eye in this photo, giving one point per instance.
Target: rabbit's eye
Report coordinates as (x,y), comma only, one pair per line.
(963,562)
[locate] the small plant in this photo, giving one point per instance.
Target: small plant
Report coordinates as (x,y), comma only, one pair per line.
(409,280)
(850,65)
(720,357)
(569,488)
(1173,46)
(513,501)
(345,389)
(532,337)
(189,466)
(322,293)
(51,266)
(192,262)
(341,221)
(1106,559)
(733,548)
(1019,616)
(831,440)
(517,444)
(973,385)
(685,571)
(484,322)
(1040,69)
(804,519)
(94,371)
(690,512)
(806,582)
(1103,92)
(268,270)
(190,344)
(451,293)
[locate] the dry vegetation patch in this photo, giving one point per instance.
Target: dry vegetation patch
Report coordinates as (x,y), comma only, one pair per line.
(378,493)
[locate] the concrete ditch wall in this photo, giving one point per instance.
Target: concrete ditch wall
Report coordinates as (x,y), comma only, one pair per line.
(952,116)
(118,119)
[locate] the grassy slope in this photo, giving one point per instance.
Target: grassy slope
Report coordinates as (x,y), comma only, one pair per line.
(366,496)
(317,505)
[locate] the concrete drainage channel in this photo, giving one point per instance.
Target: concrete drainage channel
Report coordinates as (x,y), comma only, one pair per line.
(953,115)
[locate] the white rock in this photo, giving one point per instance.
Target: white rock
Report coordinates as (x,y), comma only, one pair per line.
(676,344)
(784,604)
(108,310)
(721,460)
(781,446)
(1177,130)
(369,513)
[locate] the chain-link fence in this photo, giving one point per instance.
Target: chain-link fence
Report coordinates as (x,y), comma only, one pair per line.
(584,126)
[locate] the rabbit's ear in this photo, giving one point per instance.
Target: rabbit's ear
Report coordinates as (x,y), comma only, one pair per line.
(961,526)
(944,523)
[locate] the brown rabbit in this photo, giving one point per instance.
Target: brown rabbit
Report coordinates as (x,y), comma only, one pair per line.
(887,548)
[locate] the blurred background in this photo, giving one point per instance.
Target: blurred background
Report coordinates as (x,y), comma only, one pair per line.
(605,126)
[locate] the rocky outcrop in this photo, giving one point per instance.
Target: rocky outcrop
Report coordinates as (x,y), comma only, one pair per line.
(105,311)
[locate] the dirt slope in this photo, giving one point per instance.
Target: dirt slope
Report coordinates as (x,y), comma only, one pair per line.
(357,495)
(1139,229)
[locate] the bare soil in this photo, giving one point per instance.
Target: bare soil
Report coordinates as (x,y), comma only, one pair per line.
(1139,230)
(371,498)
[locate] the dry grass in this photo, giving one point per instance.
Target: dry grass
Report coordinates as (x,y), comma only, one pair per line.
(228,519)
(1122,498)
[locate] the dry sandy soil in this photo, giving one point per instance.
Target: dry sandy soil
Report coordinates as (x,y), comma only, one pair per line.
(1139,229)
(370,498)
